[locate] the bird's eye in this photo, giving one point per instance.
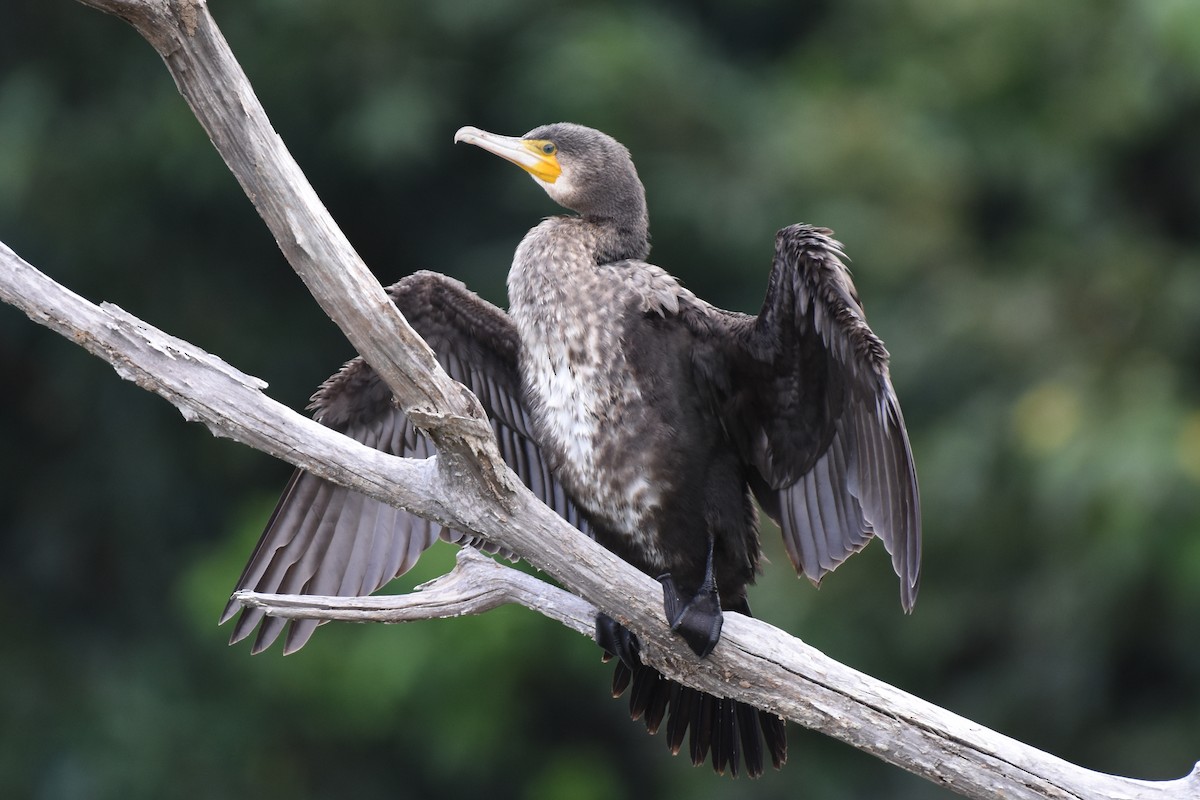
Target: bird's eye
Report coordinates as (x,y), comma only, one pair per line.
(549,149)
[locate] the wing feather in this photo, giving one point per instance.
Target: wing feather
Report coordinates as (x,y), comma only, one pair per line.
(324,538)
(814,412)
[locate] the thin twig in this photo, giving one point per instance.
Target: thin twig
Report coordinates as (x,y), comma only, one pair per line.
(477,584)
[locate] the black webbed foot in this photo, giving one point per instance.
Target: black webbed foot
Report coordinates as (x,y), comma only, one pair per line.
(617,641)
(697,618)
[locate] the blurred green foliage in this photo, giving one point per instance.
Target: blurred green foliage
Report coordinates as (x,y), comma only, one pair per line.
(1018,184)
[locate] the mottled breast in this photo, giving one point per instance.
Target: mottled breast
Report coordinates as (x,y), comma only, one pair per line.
(585,402)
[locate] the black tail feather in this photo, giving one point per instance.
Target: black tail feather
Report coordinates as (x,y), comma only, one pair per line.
(659,700)
(725,743)
(621,677)
(703,720)
(732,732)
(645,681)
(747,723)
(683,705)
(775,733)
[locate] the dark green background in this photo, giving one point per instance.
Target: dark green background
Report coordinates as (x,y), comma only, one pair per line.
(1017,183)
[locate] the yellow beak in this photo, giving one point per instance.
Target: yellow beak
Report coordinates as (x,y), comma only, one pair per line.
(537,157)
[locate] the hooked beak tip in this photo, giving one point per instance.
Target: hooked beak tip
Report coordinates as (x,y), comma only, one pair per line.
(466,134)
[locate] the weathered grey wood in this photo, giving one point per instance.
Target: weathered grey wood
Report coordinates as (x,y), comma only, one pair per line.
(476,584)
(206,389)
(469,488)
(219,94)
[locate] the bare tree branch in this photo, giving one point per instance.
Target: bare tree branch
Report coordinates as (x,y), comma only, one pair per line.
(475,585)
(219,94)
(469,488)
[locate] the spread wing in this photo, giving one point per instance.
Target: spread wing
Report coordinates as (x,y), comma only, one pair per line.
(326,539)
(814,412)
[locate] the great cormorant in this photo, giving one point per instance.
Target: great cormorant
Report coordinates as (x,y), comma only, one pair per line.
(648,418)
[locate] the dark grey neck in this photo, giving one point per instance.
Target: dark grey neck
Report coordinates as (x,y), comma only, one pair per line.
(623,235)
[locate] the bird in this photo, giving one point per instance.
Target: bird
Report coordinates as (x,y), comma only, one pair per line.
(656,423)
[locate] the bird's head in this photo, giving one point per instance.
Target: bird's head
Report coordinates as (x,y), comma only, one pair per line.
(582,169)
